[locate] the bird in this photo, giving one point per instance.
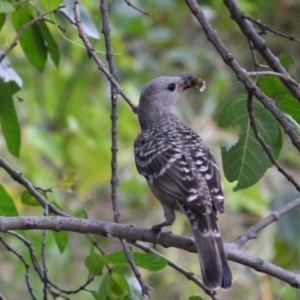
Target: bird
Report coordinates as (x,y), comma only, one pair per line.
(182,173)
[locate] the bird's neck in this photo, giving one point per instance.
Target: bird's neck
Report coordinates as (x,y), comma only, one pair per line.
(155,117)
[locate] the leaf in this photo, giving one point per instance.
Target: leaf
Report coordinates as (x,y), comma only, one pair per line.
(32,41)
(9,120)
(103,289)
(87,22)
(7,205)
(8,73)
(195,298)
(96,295)
(50,42)
(118,286)
(2,20)
(291,106)
(28,199)
(287,60)
(148,261)
(273,87)
(61,239)
(246,161)
(68,181)
(95,263)
(50,4)
(135,289)
(6,7)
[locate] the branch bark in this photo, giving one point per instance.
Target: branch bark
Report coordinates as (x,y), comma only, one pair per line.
(133,234)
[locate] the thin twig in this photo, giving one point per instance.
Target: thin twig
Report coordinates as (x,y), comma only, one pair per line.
(114,140)
(79,289)
(44,264)
(270,73)
(266,28)
(100,64)
(31,252)
(27,267)
(186,273)
(22,30)
(136,8)
(17,176)
(266,147)
(254,58)
(251,233)
(62,29)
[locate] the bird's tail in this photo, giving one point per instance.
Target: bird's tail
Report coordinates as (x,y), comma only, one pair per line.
(214,266)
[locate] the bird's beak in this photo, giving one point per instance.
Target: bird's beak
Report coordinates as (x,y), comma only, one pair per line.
(187,81)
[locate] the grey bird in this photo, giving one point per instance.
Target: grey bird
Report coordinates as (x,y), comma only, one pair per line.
(182,173)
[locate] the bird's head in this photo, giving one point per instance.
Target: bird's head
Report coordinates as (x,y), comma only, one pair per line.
(164,91)
(159,96)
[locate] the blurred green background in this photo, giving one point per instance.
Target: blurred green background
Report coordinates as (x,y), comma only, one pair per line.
(65,120)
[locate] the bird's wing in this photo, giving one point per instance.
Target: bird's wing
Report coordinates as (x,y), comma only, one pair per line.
(185,170)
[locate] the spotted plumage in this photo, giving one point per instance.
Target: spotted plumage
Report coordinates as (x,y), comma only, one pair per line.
(182,173)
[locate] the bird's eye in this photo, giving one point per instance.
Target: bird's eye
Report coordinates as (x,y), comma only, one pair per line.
(171,87)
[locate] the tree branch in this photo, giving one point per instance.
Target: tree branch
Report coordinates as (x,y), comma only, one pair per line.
(251,233)
(266,147)
(136,8)
(186,273)
(133,234)
(101,66)
(270,73)
(260,44)
(23,29)
(242,75)
(17,176)
(266,28)
(114,139)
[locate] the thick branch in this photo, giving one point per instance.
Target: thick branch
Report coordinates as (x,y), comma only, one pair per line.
(132,234)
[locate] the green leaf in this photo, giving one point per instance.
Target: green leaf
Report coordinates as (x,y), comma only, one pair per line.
(273,87)
(148,261)
(118,286)
(245,161)
(95,263)
(291,106)
(28,199)
(286,60)
(61,239)
(6,7)
(2,20)
(9,120)
(50,42)
(195,298)
(32,41)
(7,205)
(103,289)
(50,4)
(96,295)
